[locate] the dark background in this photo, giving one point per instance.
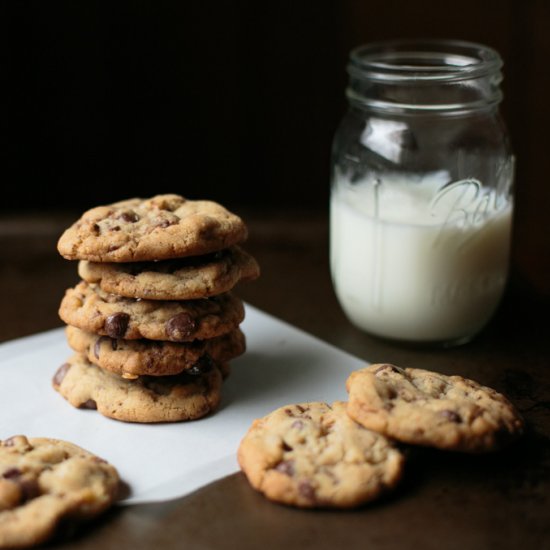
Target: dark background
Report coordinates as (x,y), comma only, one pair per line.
(237,101)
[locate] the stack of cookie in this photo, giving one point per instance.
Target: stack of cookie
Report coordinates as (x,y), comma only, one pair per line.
(154,321)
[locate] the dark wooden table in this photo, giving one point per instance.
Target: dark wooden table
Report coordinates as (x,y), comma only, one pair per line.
(447,500)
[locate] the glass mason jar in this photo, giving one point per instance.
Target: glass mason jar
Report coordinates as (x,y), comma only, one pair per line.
(421,197)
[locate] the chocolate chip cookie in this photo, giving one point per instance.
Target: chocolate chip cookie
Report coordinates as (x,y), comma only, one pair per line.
(43,481)
(185,396)
(426,408)
(162,227)
(133,358)
(181,279)
(94,310)
(313,455)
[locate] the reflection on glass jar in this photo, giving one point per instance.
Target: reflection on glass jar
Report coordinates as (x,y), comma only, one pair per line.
(421,202)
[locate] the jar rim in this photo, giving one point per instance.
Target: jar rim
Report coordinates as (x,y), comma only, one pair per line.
(426,60)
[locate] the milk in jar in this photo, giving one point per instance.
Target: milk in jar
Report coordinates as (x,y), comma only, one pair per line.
(421,191)
(419,258)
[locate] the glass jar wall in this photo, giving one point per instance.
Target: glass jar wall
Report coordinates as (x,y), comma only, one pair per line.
(421,198)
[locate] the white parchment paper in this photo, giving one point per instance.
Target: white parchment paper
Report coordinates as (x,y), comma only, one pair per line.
(282,365)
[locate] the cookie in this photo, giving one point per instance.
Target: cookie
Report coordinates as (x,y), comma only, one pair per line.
(426,408)
(43,481)
(180,279)
(132,358)
(94,310)
(313,455)
(159,228)
(184,396)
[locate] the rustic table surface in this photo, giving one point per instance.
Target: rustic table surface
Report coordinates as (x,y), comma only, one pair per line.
(447,500)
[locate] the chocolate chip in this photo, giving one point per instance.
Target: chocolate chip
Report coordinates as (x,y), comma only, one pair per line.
(89,404)
(387,366)
(286,467)
(326,428)
(392,393)
(202,366)
(286,447)
(60,374)
(100,340)
(195,370)
(129,216)
(301,409)
(180,327)
(116,324)
(451,416)
(12,473)
(476,412)
(164,224)
(97,346)
(115,228)
(96,229)
(306,489)
(29,488)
